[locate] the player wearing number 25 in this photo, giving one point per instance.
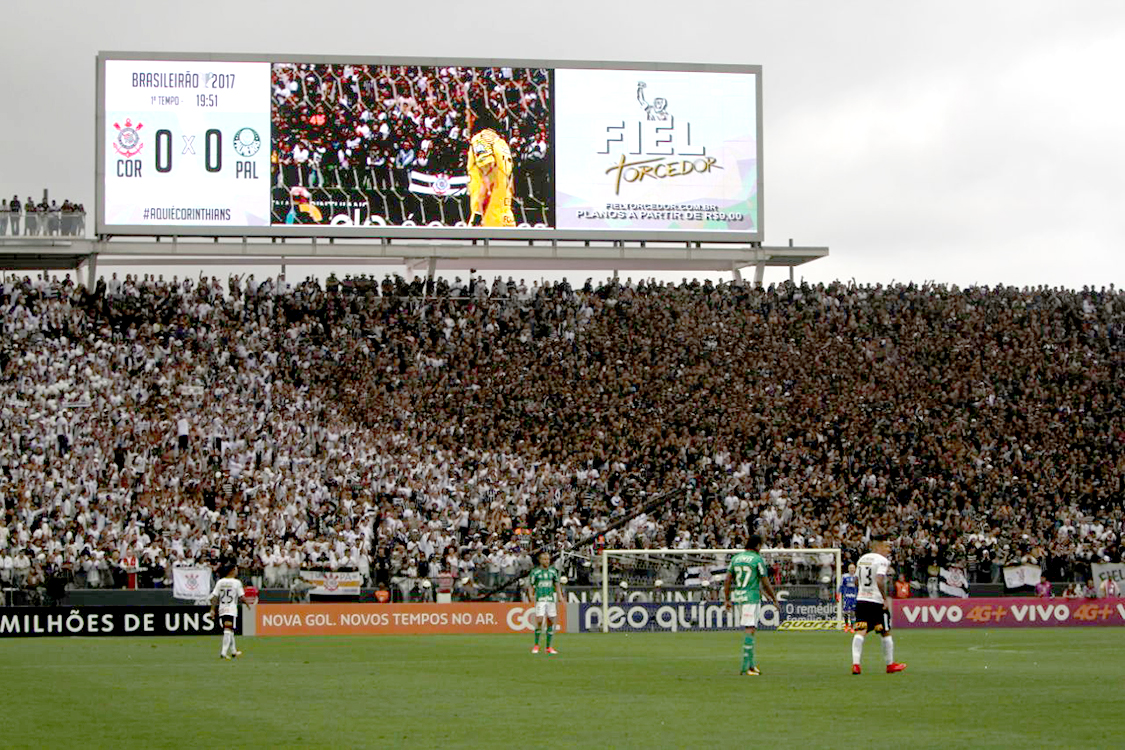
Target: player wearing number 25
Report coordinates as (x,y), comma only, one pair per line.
(225,597)
(748,575)
(544,587)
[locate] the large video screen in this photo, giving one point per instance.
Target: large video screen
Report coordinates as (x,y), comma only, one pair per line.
(376,148)
(656,151)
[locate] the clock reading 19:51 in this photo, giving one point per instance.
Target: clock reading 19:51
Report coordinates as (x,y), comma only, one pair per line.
(207,100)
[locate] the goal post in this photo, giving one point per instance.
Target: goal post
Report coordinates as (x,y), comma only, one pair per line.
(807,581)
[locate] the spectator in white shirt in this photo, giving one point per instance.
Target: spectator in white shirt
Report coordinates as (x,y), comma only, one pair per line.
(183,430)
(7,568)
(21,569)
(62,433)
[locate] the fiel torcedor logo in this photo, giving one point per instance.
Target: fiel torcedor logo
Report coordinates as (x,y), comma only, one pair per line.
(128,141)
(656,147)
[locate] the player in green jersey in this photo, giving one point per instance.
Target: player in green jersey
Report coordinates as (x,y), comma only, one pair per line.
(544,587)
(748,576)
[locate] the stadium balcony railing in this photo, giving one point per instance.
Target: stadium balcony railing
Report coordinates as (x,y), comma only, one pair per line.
(43,224)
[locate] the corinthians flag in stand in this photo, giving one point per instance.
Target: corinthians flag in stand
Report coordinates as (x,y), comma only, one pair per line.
(191,583)
(953,583)
(440,185)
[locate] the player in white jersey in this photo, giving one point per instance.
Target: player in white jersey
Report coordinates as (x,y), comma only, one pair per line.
(873,604)
(225,598)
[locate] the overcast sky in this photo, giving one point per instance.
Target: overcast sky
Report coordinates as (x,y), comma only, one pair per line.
(963,142)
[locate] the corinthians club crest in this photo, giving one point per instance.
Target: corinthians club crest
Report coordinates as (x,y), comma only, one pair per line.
(128,141)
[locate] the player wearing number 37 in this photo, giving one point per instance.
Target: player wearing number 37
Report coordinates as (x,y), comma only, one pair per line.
(544,587)
(873,605)
(748,575)
(225,597)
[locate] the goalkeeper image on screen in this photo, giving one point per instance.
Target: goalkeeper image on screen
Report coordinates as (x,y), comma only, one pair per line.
(544,587)
(490,176)
(748,576)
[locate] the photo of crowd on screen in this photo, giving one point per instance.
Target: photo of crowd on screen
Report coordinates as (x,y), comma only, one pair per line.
(388,144)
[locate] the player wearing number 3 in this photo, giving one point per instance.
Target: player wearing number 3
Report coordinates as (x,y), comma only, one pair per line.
(748,574)
(544,587)
(873,608)
(225,597)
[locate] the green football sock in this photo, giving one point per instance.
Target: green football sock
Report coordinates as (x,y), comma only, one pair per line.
(550,632)
(748,653)
(536,636)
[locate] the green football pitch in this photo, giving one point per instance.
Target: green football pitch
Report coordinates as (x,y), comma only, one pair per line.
(1018,689)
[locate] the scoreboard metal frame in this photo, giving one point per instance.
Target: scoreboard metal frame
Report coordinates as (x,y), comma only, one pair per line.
(423,232)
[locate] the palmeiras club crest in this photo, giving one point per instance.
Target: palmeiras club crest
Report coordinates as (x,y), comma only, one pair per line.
(128,141)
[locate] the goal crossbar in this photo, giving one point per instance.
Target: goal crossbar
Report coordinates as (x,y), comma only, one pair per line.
(687,553)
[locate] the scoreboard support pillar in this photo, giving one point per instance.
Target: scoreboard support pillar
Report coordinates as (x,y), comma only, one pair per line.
(91,272)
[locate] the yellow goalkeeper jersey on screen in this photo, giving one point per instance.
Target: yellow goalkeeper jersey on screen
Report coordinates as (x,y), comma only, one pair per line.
(490,179)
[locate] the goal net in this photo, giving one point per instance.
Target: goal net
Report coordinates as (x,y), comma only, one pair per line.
(682,589)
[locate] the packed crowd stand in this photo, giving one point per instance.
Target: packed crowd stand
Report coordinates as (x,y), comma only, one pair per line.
(31,219)
(406,430)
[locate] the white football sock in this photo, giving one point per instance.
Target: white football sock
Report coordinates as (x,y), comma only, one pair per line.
(889,650)
(233,648)
(857,648)
(226,642)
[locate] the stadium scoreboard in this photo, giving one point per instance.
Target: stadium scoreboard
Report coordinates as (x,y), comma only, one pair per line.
(187,143)
(348,147)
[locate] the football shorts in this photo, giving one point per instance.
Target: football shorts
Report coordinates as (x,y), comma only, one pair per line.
(546,609)
(871,616)
(748,616)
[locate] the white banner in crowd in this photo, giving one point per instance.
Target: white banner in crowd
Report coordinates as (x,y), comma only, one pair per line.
(333,583)
(1016,576)
(191,583)
(1108,572)
(954,583)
